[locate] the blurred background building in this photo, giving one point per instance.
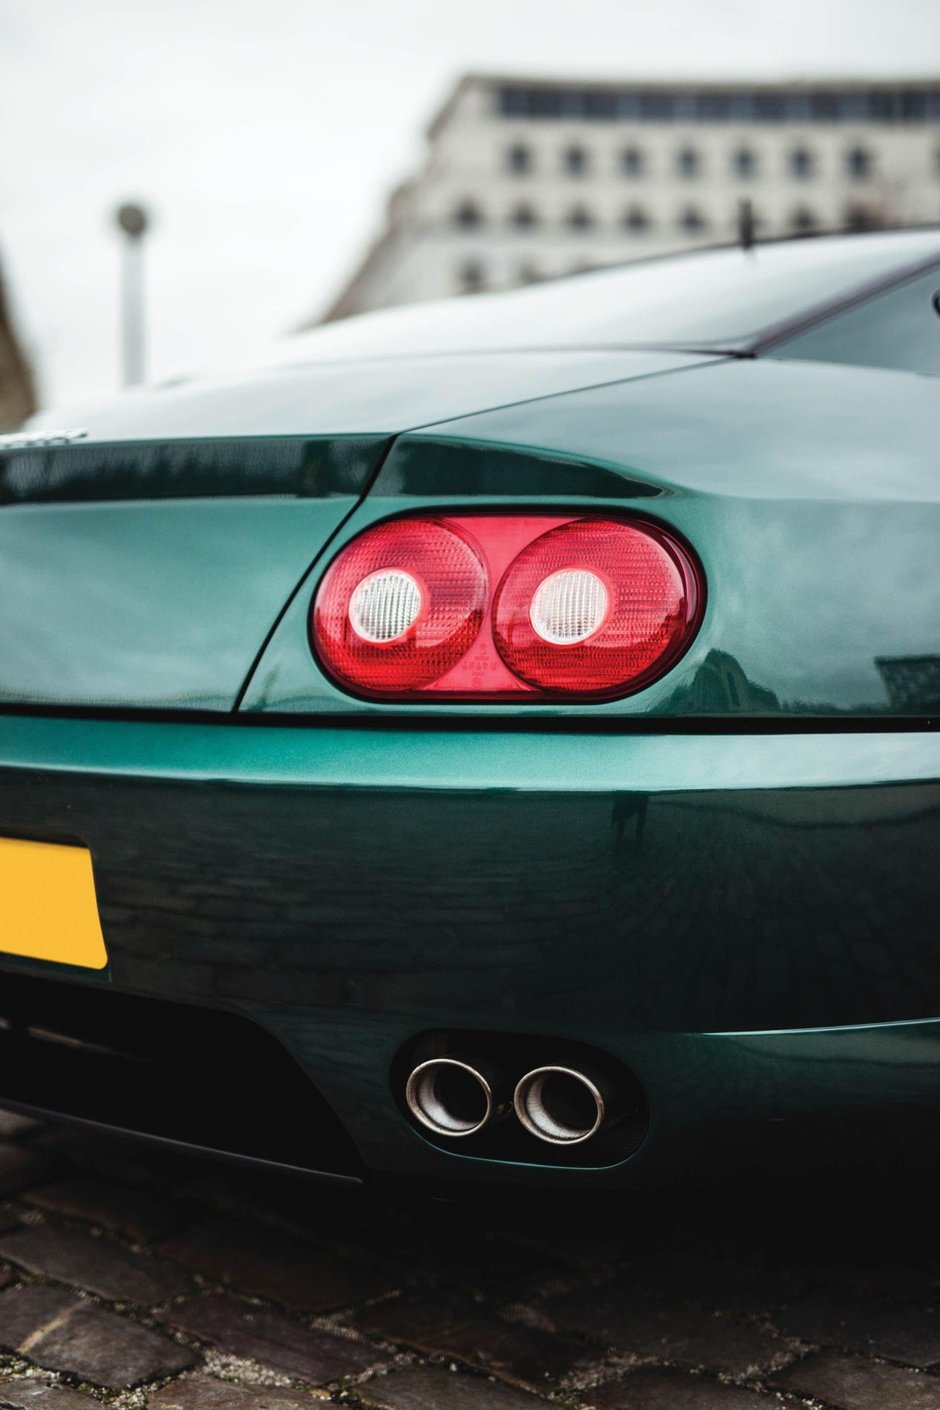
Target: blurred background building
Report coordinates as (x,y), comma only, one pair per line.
(17,389)
(528,178)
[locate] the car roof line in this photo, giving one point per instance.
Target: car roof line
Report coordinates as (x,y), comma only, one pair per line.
(820,237)
(733,347)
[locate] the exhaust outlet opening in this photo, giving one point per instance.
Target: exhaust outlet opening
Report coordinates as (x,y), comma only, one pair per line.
(449,1097)
(560,1105)
(574,1106)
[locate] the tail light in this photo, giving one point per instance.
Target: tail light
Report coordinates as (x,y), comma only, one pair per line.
(506,607)
(401,606)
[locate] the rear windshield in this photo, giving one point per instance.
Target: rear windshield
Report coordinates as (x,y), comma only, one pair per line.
(723,298)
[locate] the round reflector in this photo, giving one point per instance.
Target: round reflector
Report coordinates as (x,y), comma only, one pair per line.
(400,606)
(596,607)
(569,606)
(385,605)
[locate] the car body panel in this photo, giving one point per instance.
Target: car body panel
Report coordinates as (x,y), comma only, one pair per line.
(362,396)
(132,577)
(741,427)
(775,472)
(669,896)
(148,606)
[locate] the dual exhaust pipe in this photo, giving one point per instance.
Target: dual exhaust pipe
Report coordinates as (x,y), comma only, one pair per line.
(560,1105)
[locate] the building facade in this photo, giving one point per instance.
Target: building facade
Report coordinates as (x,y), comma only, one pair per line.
(525,179)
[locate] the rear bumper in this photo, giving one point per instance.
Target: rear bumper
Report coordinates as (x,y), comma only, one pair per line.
(747,922)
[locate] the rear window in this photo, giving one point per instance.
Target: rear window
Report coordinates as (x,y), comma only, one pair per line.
(899,329)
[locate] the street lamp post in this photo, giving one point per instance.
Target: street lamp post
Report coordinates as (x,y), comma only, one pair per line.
(132,221)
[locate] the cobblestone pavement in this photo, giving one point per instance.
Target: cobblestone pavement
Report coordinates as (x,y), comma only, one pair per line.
(139,1280)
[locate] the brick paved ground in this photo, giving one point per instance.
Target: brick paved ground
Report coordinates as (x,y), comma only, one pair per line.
(136,1280)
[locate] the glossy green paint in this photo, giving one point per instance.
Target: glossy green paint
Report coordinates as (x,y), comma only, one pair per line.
(421,759)
(742,911)
(143,576)
(719,912)
(367,394)
(159,605)
(810,493)
(147,575)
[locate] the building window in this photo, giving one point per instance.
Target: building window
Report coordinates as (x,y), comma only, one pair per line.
(802,221)
(901,104)
(632,163)
(713,107)
(468,215)
(744,163)
(858,161)
(575,161)
(579,218)
(600,106)
(770,107)
(656,107)
(802,163)
(858,217)
(519,158)
(691,221)
(741,107)
(523,217)
(636,220)
(471,277)
(688,162)
(824,107)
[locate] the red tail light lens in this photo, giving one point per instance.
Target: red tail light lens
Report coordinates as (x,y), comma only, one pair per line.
(401,605)
(506,607)
(593,606)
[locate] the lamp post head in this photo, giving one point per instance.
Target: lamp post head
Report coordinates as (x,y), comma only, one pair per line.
(133,220)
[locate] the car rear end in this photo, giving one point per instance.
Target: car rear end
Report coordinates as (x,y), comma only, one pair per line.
(385,871)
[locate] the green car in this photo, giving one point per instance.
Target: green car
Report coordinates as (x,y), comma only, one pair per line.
(494,742)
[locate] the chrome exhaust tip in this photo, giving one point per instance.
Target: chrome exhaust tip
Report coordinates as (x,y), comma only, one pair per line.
(560,1105)
(450,1097)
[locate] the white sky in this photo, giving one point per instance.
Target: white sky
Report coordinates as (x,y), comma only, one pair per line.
(264,135)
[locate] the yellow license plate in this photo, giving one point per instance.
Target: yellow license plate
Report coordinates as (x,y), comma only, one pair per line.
(48,907)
